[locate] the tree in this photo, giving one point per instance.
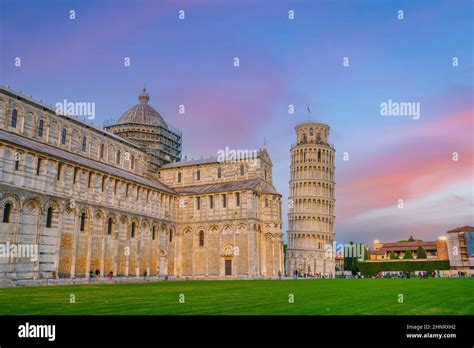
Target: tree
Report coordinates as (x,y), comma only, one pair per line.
(421,253)
(408,255)
(348,263)
(351,263)
(393,256)
(366,253)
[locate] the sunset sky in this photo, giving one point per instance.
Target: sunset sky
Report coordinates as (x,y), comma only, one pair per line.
(282,62)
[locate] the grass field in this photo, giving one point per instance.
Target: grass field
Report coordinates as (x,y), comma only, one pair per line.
(254,297)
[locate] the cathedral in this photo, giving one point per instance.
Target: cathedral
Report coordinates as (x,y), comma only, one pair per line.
(121,200)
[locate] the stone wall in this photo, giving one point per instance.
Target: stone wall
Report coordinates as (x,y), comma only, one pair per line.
(29,116)
(85,219)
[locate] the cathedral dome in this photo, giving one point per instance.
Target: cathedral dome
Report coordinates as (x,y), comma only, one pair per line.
(142,113)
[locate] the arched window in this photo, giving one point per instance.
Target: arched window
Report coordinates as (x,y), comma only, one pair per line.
(38,166)
(83,222)
(266,202)
(198,175)
(179,176)
(153,237)
(58,174)
(201,238)
(171,236)
(110,226)
(311,131)
(219,172)
(63,136)
(6,213)
(102,148)
(304,138)
(14,118)
(319,155)
(118,157)
(242,169)
(49,217)
(74,176)
(132,162)
(17,161)
(132,230)
(40,128)
(84,143)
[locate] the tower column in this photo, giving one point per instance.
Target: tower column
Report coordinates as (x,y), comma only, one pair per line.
(311,194)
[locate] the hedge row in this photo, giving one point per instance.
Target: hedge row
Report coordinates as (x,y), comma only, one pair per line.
(369,269)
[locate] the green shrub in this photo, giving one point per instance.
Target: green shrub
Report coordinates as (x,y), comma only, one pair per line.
(369,269)
(393,255)
(421,253)
(408,255)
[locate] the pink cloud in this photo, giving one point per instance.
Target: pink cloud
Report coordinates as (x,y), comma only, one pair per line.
(232,112)
(420,164)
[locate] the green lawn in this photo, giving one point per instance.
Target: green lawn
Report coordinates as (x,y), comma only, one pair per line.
(327,297)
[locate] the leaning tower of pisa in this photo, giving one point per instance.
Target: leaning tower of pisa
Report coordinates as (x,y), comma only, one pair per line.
(311,203)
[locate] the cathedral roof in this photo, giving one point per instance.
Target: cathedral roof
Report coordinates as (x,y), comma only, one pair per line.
(143,113)
(48,108)
(254,185)
(209,160)
(86,162)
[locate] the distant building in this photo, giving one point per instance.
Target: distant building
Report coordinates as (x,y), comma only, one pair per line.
(435,250)
(461,248)
(339,260)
